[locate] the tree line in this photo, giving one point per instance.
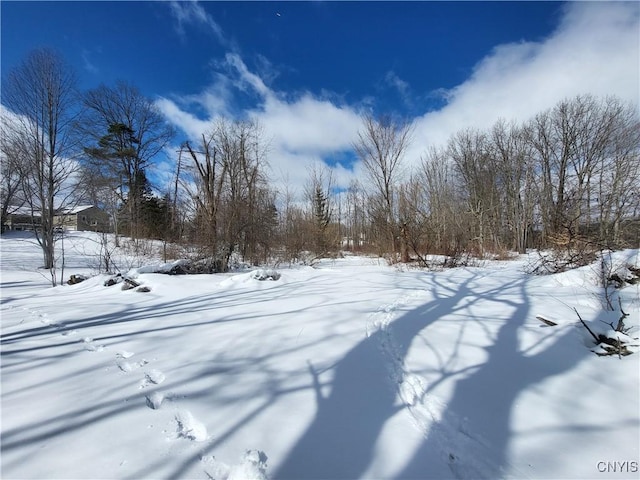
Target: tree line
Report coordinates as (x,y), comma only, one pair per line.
(566,178)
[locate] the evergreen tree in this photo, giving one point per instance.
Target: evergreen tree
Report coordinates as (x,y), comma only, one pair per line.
(115,158)
(322,219)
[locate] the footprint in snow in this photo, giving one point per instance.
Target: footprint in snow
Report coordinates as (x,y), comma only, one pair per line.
(154,400)
(124,366)
(190,428)
(152,377)
(214,468)
(44,319)
(122,363)
(252,466)
(90,346)
(411,390)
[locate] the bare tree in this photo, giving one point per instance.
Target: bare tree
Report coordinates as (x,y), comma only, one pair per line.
(617,197)
(204,180)
(414,220)
(449,219)
(234,209)
(41,92)
(470,154)
(515,176)
(293,226)
(355,216)
(11,156)
(587,154)
(127,132)
(381,146)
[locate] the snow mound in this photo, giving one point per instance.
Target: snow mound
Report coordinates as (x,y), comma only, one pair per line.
(618,336)
(577,277)
(268,274)
(155,268)
(249,278)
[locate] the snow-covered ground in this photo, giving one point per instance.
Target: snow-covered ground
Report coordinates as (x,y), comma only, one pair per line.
(352,369)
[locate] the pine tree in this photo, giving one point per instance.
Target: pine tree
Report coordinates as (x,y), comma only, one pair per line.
(116,158)
(322,216)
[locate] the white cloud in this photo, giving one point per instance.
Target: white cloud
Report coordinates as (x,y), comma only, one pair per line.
(89,66)
(309,124)
(187,122)
(303,132)
(594,50)
(402,87)
(300,132)
(247,78)
(190,12)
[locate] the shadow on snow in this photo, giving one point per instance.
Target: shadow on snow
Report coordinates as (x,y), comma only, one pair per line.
(340,441)
(470,438)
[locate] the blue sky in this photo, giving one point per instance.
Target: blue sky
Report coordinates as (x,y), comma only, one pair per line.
(307,70)
(353,49)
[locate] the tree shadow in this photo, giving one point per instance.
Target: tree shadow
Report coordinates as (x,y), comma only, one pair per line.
(473,435)
(26,347)
(340,441)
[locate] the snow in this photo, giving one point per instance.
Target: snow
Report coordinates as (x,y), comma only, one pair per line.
(154,268)
(350,369)
(76,209)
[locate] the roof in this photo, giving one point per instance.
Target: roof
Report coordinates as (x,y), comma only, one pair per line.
(21,210)
(26,210)
(78,209)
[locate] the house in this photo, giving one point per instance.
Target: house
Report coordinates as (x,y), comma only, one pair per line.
(20,218)
(82,218)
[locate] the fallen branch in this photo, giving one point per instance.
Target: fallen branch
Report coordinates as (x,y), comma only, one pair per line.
(620,327)
(546,321)
(611,346)
(131,282)
(597,339)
